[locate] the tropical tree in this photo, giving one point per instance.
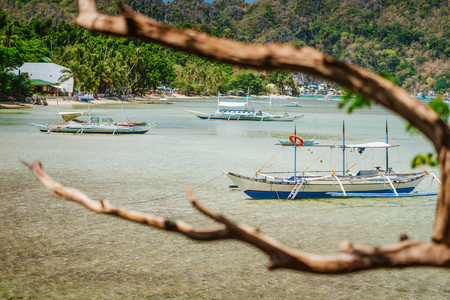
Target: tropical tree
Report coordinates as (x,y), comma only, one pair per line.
(247,81)
(7,36)
(228,33)
(3,18)
(154,69)
(282,79)
(73,60)
(17,86)
(10,58)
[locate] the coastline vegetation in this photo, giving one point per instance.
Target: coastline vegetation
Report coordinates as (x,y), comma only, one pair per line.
(410,40)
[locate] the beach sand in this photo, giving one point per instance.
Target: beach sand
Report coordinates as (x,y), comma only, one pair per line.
(66,101)
(54,101)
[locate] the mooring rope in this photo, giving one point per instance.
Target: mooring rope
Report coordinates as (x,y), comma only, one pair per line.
(176,194)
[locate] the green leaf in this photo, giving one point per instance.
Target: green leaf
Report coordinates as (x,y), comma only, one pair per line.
(359,100)
(440,107)
(430,159)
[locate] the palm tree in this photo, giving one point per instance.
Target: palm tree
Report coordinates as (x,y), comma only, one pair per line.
(115,72)
(73,60)
(7,37)
(89,80)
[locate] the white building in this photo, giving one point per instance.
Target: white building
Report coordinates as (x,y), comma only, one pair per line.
(49,73)
(322,87)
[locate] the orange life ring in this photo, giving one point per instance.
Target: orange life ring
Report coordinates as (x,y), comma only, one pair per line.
(295,139)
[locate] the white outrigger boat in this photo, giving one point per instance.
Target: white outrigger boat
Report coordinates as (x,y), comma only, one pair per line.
(242,111)
(305,184)
(93,125)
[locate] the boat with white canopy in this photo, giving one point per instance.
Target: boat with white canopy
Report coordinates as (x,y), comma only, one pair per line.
(243,111)
(374,182)
(94,125)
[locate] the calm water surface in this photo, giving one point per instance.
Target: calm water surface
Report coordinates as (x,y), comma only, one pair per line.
(54,249)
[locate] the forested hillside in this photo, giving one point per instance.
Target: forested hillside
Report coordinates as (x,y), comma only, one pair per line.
(408,39)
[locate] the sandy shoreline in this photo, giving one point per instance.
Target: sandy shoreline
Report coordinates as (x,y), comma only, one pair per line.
(65,101)
(53,101)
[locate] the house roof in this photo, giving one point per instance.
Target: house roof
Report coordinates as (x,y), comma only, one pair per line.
(40,82)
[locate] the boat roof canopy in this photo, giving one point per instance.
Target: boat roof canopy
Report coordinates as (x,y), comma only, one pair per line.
(233,104)
(354,146)
(371,145)
(67,116)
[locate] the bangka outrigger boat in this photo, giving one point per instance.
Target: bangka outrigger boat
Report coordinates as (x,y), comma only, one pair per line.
(242,111)
(93,125)
(365,183)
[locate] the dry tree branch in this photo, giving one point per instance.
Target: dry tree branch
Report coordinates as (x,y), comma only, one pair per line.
(307,60)
(406,253)
(286,57)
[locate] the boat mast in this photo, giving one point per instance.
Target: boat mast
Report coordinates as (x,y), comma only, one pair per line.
(123,111)
(218,100)
(343,147)
(57,106)
(248,95)
(295,153)
(89,109)
(270,105)
(387,148)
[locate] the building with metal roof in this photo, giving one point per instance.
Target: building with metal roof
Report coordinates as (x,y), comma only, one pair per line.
(45,77)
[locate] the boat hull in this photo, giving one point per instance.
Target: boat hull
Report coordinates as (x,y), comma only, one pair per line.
(305,143)
(205,116)
(97,129)
(281,189)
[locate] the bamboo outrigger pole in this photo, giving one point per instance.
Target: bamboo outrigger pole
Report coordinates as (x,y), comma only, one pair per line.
(387,148)
(295,153)
(343,148)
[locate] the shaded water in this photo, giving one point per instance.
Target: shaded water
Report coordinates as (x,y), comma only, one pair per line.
(55,249)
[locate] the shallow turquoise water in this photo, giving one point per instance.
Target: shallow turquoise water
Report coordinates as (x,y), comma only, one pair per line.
(56,249)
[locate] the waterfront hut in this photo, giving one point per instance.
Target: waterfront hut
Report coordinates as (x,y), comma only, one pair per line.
(45,78)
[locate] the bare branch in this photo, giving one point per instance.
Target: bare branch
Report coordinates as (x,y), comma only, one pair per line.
(353,258)
(286,57)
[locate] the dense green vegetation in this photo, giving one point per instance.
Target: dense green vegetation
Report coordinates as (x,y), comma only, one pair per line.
(11,85)
(115,65)
(408,39)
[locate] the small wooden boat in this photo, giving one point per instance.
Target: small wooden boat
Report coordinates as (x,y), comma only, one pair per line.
(85,97)
(14,105)
(292,104)
(94,125)
(159,101)
(304,142)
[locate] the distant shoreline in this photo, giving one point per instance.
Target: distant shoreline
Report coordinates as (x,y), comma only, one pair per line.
(66,101)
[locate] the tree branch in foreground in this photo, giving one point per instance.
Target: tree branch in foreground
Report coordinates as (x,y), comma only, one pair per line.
(286,57)
(406,253)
